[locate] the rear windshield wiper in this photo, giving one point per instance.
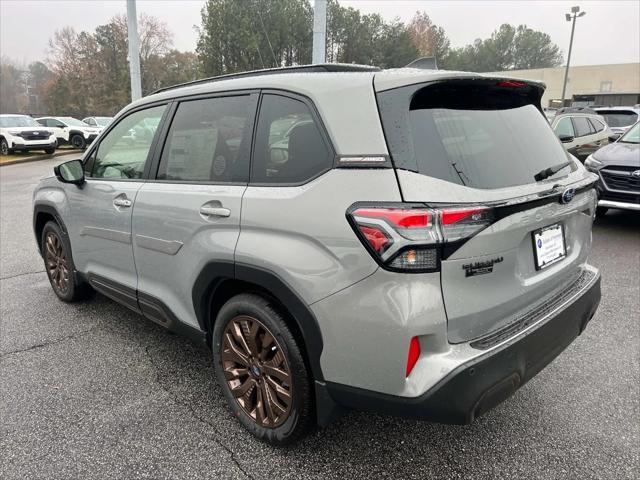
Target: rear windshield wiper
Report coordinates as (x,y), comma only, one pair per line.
(547,172)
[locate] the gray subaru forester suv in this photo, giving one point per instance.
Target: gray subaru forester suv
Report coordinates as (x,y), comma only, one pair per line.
(405,241)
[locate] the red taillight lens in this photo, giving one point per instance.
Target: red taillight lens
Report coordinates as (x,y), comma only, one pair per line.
(404,218)
(511,84)
(408,238)
(414,354)
(376,238)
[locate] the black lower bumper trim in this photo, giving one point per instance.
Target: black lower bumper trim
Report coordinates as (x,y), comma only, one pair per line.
(476,387)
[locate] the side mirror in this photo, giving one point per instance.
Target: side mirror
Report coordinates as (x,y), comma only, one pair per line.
(70,172)
(614,137)
(565,138)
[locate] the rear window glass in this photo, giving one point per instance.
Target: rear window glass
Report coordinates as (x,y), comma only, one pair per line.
(617,118)
(481,135)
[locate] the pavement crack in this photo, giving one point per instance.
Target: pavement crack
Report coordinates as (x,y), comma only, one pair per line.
(21,275)
(195,415)
(52,342)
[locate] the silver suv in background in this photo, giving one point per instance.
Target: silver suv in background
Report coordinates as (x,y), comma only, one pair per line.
(619,119)
(406,241)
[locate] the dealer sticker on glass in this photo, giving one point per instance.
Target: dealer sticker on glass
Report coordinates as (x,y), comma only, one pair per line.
(548,245)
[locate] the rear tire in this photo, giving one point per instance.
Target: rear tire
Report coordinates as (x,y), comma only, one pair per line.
(4,147)
(255,353)
(601,211)
(58,263)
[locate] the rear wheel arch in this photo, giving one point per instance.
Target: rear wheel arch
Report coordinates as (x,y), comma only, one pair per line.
(220,281)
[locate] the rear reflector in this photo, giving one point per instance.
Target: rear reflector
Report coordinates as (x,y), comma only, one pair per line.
(414,354)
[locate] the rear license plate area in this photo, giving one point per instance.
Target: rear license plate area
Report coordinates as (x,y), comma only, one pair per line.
(549,245)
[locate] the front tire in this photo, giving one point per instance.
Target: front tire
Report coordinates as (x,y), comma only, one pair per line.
(58,263)
(49,151)
(601,211)
(261,370)
(78,141)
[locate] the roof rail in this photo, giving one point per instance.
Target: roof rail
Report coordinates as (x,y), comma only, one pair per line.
(320,67)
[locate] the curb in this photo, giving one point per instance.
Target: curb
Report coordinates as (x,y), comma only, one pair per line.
(39,157)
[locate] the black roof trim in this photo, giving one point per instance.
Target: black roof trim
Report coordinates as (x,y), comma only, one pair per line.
(318,68)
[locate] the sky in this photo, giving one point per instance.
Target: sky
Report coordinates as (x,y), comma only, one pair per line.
(609,33)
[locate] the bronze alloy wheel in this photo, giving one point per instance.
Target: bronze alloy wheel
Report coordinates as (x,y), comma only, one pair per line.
(256,371)
(56,262)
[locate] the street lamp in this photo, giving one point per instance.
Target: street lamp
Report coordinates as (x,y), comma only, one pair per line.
(575,13)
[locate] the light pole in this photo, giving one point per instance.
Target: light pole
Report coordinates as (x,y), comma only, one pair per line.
(134,50)
(319,31)
(570,16)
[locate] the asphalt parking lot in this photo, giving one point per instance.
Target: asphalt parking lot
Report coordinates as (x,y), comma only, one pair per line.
(91,390)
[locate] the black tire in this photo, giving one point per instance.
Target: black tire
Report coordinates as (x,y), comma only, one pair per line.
(49,151)
(601,211)
(55,244)
(300,417)
(78,141)
(4,147)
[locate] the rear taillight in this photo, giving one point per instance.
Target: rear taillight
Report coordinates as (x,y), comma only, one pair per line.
(410,237)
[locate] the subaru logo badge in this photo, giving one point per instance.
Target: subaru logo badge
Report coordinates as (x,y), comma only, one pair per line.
(567,195)
(635,173)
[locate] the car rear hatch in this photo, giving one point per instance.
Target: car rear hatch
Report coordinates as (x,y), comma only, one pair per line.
(514,235)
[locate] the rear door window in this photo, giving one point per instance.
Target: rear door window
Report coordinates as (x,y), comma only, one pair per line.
(473,133)
(290,147)
(210,140)
(582,126)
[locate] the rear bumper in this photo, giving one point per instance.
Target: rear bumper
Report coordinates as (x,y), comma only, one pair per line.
(479,385)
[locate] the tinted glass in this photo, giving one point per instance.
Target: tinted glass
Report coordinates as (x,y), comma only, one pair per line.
(289,146)
(564,127)
(597,125)
(618,118)
(582,126)
(481,135)
(209,141)
(123,152)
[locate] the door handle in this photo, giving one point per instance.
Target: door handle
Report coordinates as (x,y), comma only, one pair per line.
(122,202)
(214,211)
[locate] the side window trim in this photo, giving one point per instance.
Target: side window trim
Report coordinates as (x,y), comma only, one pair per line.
(155,164)
(88,158)
(319,123)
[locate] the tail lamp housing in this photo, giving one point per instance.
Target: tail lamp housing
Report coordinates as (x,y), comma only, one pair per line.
(412,237)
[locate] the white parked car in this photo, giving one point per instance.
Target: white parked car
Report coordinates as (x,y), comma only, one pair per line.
(70,130)
(21,132)
(99,122)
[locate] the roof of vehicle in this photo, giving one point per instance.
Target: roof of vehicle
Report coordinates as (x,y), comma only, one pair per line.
(328,85)
(315,77)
